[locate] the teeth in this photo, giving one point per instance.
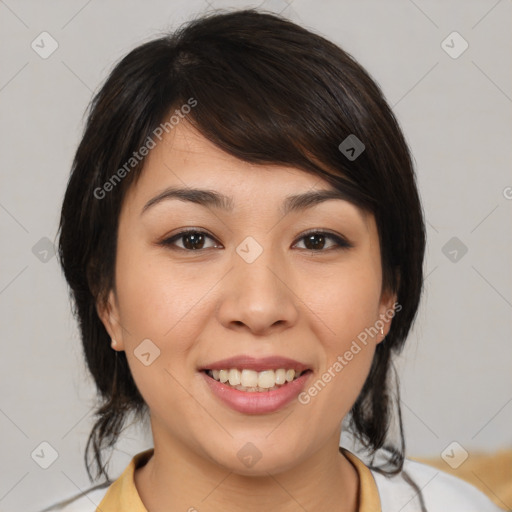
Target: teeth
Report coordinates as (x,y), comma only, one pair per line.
(280,376)
(249,378)
(252,381)
(267,379)
(234,377)
(290,375)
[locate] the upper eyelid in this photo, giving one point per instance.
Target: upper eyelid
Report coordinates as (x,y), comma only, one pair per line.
(167,239)
(344,242)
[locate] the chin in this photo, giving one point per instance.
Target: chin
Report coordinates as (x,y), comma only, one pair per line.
(256,459)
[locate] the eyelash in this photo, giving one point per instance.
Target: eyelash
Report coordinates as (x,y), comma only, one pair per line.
(341,243)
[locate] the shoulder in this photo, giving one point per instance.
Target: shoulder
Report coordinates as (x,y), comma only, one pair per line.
(440,491)
(87,501)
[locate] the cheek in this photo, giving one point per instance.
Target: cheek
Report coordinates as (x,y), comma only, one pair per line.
(162,305)
(167,304)
(346,301)
(346,308)
(155,298)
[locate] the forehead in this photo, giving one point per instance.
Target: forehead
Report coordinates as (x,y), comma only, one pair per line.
(185,154)
(184,159)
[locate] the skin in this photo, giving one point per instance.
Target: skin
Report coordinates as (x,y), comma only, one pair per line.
(200,306)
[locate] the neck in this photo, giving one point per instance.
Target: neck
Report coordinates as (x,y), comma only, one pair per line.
(178,479)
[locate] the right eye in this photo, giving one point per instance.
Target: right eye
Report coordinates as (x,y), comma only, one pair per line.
(190,240)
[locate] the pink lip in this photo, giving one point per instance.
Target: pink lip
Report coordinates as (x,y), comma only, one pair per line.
(256,402)
(250,363)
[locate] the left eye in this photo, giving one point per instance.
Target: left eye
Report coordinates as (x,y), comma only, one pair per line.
(321,240)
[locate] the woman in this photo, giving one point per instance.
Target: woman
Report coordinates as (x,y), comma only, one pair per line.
(243,239)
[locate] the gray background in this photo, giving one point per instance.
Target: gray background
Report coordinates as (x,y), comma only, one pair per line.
(456,369)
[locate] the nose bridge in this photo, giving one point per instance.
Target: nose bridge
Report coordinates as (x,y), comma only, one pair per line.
(257,294)
(256,270)
(259,278)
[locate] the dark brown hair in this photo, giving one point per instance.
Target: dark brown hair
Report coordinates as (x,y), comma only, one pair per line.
(266,91)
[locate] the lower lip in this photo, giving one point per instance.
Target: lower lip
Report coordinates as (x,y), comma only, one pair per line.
(257,402)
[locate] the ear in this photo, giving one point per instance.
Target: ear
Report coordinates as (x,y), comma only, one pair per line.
(109,315)
(388,308)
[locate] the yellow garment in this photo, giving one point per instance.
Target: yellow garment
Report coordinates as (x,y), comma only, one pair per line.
(369,500)
(123,495)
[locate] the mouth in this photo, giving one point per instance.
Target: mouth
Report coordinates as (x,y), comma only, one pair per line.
(256,386)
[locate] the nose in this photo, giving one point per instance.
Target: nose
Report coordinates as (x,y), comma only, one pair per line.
(258,297)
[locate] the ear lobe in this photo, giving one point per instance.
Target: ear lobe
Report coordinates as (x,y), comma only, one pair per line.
(108,313)
(389,306)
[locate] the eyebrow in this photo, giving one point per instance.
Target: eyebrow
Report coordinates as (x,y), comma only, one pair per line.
(211,198)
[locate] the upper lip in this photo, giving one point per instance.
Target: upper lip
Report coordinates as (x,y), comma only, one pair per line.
(257,364)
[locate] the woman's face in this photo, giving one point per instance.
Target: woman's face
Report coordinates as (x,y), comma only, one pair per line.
(262,274)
